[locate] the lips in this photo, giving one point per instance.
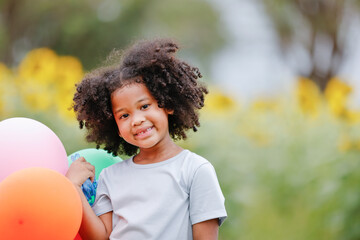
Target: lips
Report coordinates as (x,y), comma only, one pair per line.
(143,131)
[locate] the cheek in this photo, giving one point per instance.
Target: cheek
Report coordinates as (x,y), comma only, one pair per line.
(120,127)
(124,130)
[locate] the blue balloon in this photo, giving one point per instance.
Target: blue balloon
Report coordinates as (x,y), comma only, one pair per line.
(89,190)
(100,159)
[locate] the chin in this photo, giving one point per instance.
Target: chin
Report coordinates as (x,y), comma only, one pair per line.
(146,146)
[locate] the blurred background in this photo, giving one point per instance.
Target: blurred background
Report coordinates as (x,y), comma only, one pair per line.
(281,122)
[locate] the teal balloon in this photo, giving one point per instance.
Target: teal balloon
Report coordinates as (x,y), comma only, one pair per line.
(97,157)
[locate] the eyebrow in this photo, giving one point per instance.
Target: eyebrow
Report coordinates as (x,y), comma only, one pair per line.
(139,101)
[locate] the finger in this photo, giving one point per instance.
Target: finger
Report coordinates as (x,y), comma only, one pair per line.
(89,166)
(81,159)
(92,176)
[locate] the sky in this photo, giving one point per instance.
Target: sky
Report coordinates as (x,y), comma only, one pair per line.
(250,65)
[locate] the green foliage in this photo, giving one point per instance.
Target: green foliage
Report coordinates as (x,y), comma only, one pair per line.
(284,174)
(296,185)
(89,30)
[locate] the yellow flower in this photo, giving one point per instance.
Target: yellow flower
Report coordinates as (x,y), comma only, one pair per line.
(216,102)
(260,138)
(352,116)
(38,97)
(347,143)
(35,80)
(39,66)
(262,105)
(5,74)
(70,72)
(308,96)
(46,80)
(336,95)
(63,106)
(344,144)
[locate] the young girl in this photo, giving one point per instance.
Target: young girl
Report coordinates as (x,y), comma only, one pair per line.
(137,109)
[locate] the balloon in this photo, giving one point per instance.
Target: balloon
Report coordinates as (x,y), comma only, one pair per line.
(39,204)
(77,237)
(97,157)
(100,159)
(89,190)
(27,143)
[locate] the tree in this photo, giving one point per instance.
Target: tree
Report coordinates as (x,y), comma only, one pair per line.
(89,30)
(317,28)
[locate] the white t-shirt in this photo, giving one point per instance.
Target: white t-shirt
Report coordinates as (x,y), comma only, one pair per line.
(160,200)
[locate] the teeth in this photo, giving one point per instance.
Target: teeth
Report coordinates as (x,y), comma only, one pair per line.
(144,131)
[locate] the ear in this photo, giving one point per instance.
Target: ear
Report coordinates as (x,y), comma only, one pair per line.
(170,112)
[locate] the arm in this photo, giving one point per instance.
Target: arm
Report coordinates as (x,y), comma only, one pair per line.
(207,230)
(92,226)
(207,210)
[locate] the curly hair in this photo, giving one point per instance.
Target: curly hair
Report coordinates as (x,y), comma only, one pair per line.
(172,82)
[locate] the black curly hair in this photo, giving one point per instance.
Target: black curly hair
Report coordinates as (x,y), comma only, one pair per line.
(172,82)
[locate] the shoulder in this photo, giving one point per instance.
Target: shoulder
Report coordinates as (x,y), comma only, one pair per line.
(114,169)
(195,164)
(195,161)
(194,158)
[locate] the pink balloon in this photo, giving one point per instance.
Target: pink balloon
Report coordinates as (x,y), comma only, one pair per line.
(27,143)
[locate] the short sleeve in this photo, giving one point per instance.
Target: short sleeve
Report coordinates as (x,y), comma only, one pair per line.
(206,198)
(102,202)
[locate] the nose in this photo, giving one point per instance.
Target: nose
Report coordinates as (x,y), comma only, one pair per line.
(138,119)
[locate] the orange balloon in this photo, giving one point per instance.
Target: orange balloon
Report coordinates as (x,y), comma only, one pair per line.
(77,237)
(39,204)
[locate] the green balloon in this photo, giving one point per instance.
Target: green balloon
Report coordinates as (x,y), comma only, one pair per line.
(97,157)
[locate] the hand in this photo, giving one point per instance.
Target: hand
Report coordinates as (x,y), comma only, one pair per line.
(79,171)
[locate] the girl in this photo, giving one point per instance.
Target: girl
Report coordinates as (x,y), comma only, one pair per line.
(137,109)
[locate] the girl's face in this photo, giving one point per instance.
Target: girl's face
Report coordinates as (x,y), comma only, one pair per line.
(139,119)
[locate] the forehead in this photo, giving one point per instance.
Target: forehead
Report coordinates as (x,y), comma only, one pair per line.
(132,89)
(130,94)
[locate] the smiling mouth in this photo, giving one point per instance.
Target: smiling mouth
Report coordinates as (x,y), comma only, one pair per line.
(143,132)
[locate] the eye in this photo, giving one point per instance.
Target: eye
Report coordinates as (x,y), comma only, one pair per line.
(145,106)
(124,116)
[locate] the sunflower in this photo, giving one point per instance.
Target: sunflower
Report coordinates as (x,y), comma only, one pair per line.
(336,95)
(308,96)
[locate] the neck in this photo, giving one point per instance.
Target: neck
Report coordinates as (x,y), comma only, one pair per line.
(157,153)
